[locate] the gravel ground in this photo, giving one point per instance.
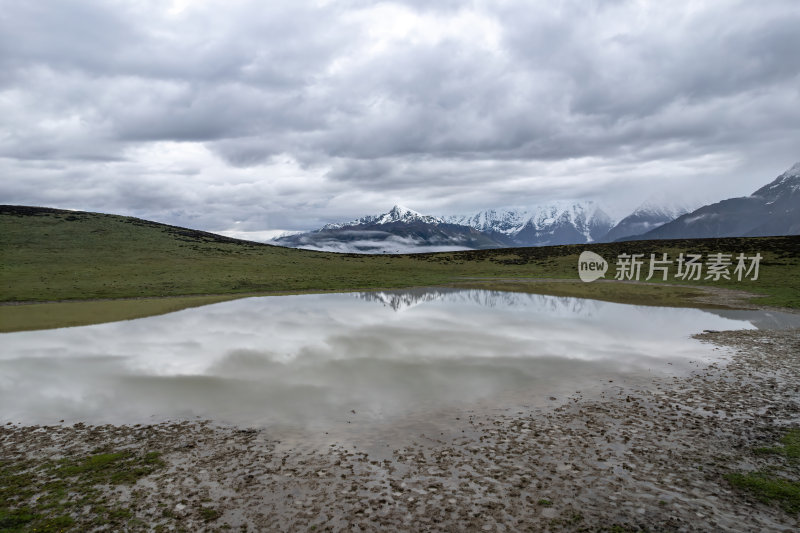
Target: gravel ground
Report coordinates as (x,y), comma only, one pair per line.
(650,457)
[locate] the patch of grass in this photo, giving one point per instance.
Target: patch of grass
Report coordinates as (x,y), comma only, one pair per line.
(766,485)
(769,489)
(110,468)
(55,495)
(27,317)
(790,449)
(544,502)
(209,514)
(15,519)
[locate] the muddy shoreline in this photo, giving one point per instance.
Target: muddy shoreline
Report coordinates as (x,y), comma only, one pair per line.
(633,458)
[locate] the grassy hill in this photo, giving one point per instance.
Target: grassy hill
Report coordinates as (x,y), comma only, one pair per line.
(55,255)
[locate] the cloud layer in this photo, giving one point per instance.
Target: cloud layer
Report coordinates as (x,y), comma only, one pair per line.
(244,115)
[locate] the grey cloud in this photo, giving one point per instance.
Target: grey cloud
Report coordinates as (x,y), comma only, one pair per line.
(70,35)
(466,103)
(275,45)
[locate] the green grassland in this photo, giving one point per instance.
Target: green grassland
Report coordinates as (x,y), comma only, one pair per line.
(54,255)
(80,313)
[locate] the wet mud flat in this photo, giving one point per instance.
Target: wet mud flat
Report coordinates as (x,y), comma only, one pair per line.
(630,458)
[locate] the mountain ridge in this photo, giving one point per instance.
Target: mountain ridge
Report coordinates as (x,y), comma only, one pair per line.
(400,230)
(560,222)
(557,222)
(771,210)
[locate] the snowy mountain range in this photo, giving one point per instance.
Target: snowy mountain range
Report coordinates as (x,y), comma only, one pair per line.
(562,222)
(771,210)
(403,230)
(400,230)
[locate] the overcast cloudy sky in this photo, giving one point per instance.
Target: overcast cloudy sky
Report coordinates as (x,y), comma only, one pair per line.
(234,114)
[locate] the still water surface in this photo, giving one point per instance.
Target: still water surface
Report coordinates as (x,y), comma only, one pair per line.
(313,360)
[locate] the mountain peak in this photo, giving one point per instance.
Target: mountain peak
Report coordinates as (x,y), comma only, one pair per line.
(397,213)
(668,209)
(786,183)
(791,175)
(401,212)
(793,172)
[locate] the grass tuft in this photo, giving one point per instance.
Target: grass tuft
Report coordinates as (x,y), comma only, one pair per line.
(209,514)
(790,449)
(766,485)
(769,489)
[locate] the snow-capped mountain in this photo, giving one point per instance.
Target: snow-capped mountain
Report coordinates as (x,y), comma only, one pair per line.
(644,218)
(565,223)
(400,230)
(784,186)
(771,210)
(506,221)
(774,209)
(561,222)
(398,213)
